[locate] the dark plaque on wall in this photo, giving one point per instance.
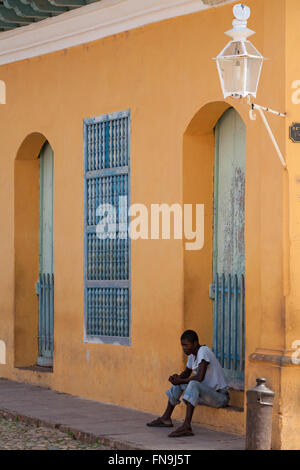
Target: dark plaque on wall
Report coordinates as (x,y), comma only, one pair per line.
(295,132)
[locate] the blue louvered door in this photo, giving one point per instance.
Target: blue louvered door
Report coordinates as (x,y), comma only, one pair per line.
(45,284)
(107,251)
(228,289)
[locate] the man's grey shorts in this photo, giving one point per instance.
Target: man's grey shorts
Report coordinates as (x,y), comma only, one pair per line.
(197,393)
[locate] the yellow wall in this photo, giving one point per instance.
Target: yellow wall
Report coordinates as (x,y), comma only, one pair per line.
(164,73)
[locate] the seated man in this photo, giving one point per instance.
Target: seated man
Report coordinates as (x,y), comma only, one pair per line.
(206,387)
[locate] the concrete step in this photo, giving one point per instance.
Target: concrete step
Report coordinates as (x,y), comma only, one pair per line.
(230,419)
(236,398)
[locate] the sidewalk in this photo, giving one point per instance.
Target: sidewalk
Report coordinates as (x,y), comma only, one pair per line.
(115,426)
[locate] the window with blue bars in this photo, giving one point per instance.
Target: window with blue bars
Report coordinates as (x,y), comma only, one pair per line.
(107,286)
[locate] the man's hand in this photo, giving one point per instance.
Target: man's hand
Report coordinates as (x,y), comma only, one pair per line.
(184,377)
(175,379)
(172,377)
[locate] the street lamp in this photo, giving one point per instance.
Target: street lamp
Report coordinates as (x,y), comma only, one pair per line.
(239,64)
(239,67)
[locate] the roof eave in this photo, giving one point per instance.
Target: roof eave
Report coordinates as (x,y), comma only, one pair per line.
(92,22)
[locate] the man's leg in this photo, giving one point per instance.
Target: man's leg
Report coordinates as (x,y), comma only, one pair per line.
(195,393)
(166,417)
(174,394)
(186,428)
(198,393)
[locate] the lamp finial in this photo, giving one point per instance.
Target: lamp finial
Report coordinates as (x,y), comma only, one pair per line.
(240,31)
(241,12)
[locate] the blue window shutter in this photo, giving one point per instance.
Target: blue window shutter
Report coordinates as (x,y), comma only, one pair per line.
(107,283)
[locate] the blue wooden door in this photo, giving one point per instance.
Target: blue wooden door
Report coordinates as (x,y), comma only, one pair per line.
(45,285)
(229,244)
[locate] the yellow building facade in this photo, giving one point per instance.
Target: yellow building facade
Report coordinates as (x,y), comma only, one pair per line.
(164,74)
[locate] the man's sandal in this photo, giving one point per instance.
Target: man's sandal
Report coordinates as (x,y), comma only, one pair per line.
(181,433)
(158,423)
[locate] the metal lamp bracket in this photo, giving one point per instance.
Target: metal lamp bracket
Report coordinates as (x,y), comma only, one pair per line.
(261,110)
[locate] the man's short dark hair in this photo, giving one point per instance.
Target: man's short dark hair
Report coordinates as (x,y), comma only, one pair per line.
(190,335)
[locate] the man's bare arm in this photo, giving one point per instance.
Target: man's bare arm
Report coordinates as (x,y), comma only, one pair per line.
(186,373)
(201,371)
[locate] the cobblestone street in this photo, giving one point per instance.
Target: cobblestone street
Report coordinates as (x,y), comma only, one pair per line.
(16,435)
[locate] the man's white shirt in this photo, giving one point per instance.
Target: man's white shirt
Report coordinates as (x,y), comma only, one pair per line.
(214,377)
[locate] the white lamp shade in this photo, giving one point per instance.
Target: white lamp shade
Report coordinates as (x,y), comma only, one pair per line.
(239,66)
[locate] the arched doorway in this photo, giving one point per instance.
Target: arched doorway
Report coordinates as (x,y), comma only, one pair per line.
(214,148)
(227,289)
(33,185)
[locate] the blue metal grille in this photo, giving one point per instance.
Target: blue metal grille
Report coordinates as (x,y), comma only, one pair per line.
(108,312)
(103,189)
(229,319)
(107,142)
(107,258)
(45,290)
